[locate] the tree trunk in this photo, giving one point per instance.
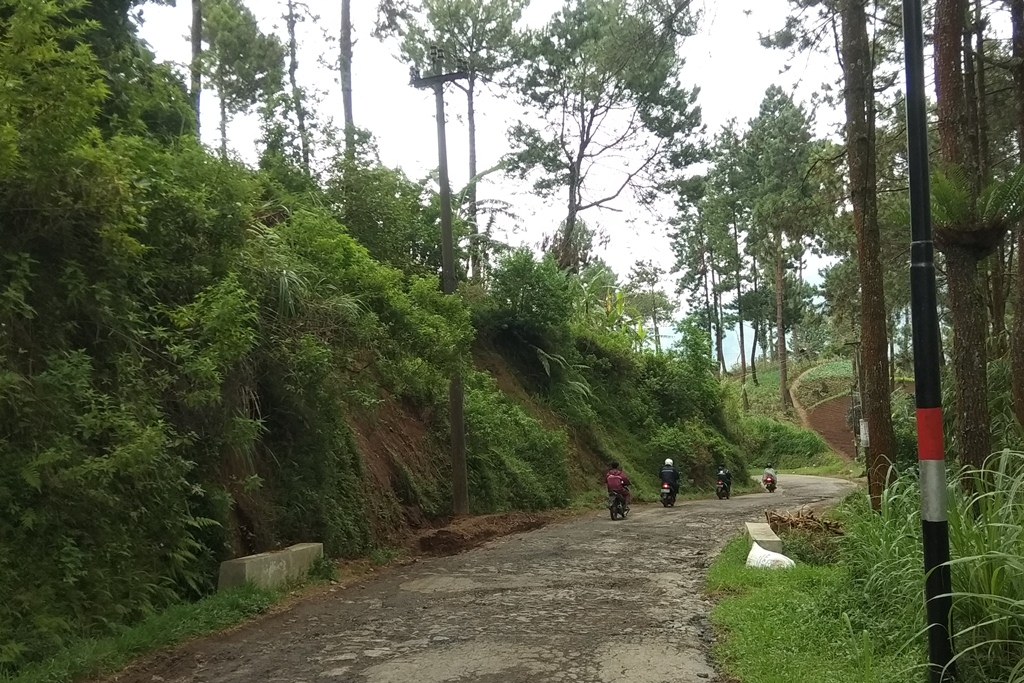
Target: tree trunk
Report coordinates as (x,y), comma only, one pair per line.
(984,150)
(1017,338)
(293,66)
(719,335)
(345,64)
(654,320)
(973,122)
(706,273)
(753,356)
(197,54)
(780,334)
(949,81)
(739,304)
(564,249)
(757,324)
(969,367)
(892,355)
(223,128)
(861,157)
(996,288)
(476,249)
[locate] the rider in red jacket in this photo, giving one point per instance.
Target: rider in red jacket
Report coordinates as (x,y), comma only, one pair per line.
(618,482)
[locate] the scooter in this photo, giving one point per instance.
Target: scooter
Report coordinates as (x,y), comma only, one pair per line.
(769,483)
(617,506)
(668,498)
(722,490)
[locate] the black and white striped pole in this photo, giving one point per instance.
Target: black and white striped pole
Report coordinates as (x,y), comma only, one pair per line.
(924,309)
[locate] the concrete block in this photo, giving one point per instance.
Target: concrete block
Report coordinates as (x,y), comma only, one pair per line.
(762,534)
(269,569)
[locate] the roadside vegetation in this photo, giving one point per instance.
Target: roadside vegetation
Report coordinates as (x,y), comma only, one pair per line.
(852,610)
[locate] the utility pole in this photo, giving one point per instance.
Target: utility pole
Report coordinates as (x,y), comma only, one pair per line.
(460,481)
(924,309)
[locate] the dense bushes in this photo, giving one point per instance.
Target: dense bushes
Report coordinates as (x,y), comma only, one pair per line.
(784,445)
(634,406)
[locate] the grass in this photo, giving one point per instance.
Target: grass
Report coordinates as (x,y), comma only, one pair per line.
(841,367)
(784,626)
(95,657)
(854,611)
(828,464)
(986,532)
(92,657)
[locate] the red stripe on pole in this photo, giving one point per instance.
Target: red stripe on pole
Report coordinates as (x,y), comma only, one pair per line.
(930,440)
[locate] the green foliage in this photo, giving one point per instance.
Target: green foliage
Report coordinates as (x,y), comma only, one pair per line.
(697,450)
(183,347)
(789,626)
(883,553)
(92,657)
(514,463)
(634,406)
(784,445)
(595,56)
(372,196)
(842,368)
(531,298)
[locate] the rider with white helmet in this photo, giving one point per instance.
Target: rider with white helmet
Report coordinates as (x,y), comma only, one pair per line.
(670,475)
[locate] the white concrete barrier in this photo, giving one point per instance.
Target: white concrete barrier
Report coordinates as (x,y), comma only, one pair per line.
(762,534)
(269,569)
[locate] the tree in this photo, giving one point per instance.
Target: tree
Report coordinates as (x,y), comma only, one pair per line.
(691,243)
(345,65)
(292,19)
(777,164)
(1017,343)
(651,302)
(727,182)
(858,74)
(243,64)
(604,76)
(971,220)
(481,32)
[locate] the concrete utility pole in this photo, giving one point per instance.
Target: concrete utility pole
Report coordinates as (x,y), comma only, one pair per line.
(924,308)
(460,481)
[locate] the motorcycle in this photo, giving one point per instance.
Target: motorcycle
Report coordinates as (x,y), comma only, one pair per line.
(769,484)
(722,490)
(668,498)
(617,506)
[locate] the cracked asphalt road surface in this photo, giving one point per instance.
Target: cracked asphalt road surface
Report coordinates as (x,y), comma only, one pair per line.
(585,601)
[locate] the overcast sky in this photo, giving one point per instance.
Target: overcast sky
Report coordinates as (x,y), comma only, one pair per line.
(725,60)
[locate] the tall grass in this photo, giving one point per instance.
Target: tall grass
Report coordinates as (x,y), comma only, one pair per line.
(986,524)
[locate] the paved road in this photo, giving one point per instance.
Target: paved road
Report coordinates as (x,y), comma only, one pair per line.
(588,601)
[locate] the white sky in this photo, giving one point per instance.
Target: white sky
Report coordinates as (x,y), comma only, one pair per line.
(724,59)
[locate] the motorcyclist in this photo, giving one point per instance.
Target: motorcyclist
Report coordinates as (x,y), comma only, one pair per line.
(769,471)
(670,475)
(725,475)
(617,482)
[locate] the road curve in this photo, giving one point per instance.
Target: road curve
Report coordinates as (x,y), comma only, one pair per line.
(587,601)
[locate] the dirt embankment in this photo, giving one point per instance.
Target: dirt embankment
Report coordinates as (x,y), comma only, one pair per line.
(829,418)
(402,458)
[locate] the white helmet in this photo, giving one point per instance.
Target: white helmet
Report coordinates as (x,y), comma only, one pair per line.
(668,461)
